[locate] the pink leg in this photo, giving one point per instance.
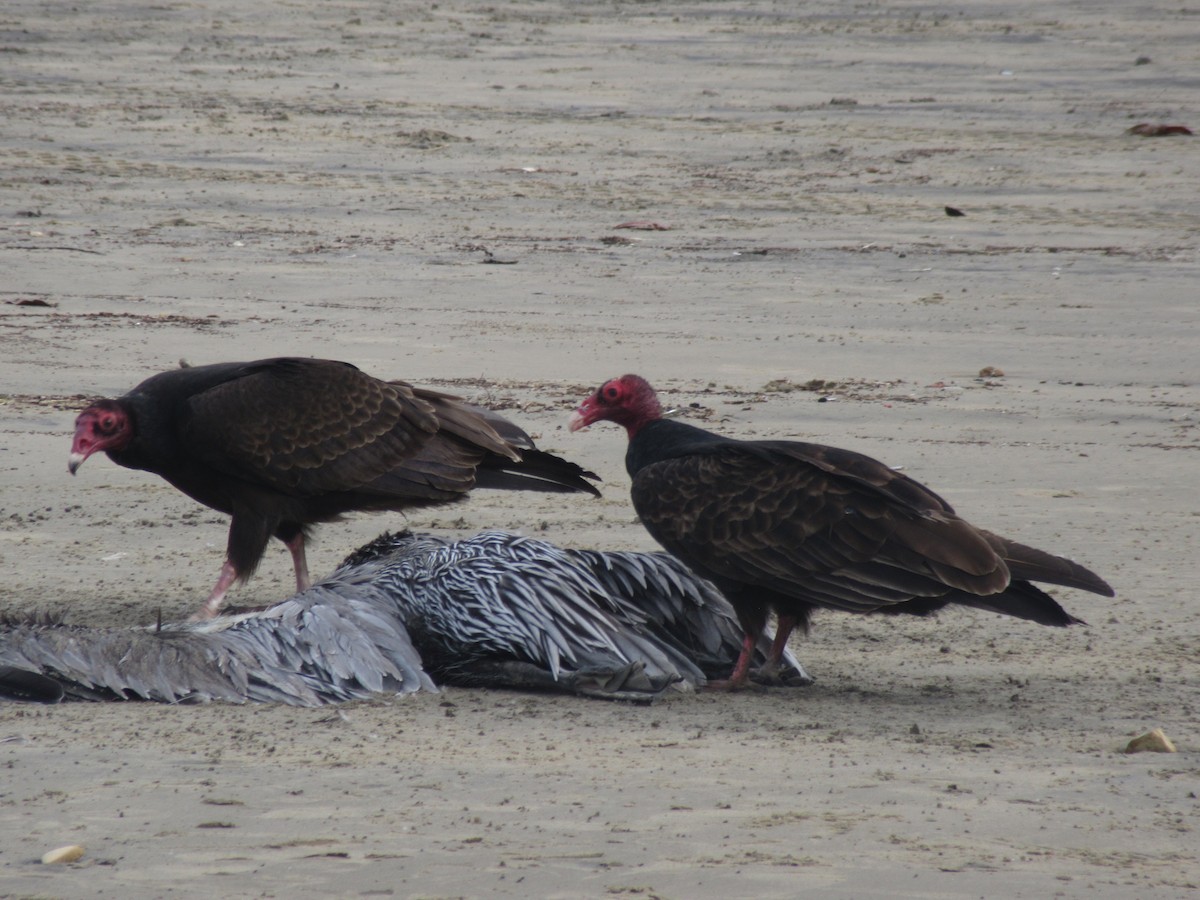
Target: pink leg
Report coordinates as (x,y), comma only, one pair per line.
(300,562)
(741,669)
(213,604)
(783,630)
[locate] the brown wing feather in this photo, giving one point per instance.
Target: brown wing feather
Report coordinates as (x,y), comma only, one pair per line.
(1030,564)
(441,470)
(499,453)
(857,537)
(477,426)
(306,427)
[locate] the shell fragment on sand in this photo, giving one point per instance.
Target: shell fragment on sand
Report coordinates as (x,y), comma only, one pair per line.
(1155,741)
(67,854)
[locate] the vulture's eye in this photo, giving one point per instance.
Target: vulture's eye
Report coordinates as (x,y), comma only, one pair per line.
(610,392)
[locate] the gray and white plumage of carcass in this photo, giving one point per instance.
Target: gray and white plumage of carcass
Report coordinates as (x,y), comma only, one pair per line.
(406,613)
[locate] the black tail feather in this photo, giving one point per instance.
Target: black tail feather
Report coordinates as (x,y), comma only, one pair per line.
(1020,599)
(537,471)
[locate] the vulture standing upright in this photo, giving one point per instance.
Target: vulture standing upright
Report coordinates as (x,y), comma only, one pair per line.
(281,444)
(788,527)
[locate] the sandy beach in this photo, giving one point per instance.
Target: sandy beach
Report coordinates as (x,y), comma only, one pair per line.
(432,192)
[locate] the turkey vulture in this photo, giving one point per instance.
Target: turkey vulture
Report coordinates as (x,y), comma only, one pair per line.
(281,444)
(786,526)
(405,613)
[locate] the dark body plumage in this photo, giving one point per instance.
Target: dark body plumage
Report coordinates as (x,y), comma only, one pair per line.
(787,526)
(403,614)
(281,444)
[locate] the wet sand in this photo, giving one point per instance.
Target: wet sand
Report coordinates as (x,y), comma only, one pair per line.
(219,181)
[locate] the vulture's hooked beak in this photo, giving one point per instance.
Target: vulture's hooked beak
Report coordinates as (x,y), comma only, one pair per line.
(583,415)
(85,443)
(81,448)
